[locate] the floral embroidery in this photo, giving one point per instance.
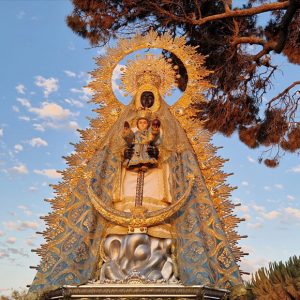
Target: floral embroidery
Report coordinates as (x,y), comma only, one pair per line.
(194,252)
(225,258)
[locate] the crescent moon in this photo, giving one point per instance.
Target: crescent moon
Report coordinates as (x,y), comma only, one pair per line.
(128,219)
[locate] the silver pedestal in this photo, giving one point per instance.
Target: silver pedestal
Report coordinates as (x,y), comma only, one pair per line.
(136,291)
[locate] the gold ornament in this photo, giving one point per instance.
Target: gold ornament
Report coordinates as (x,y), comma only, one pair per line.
(144,114)
(138,217)
(188,55)
(151,69)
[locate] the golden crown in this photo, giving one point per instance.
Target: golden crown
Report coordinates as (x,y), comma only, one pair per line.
(144,113)
(150,69)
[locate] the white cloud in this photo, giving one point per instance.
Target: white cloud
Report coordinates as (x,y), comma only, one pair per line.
(290,197)
(15,108)
(49,85)
(24,118)
(3,254)
(1,132)
(11,240)
(278,186)
(74,102)
(247,217)
(29,225)
(51,110)
(20,225)
(293,212)
(18,148)
(21,14)
(77,91)
(71,46)
(73,125)
(271,215)
(85,92)
(257,225)
(39,127)
(24,102)
(242,208)
(251,159)
(20,89)
(1,233)
(236,200)
(8,252)
(101,51)
(266,215)
(245,183)
(20,169)
(267,188)
(22,207)
(86,77)
(32,189)
(51,173)
(258,208)
(70,73)
(25,210)
(296,169)
(30,242)
(11,225)
(116,78)
(37,142)
(251,265)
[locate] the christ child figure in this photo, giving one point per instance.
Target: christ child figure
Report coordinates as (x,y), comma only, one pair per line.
(141,141)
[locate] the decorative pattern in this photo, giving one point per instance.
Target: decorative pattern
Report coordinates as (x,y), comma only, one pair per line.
(210,165)
(142,291)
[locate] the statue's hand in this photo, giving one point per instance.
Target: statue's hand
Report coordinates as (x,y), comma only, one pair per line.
(153,151)
(128,152)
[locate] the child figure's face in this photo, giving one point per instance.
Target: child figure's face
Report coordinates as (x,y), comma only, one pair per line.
(142,124)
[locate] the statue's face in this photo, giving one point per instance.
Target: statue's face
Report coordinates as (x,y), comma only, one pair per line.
(142,124)
(147,99)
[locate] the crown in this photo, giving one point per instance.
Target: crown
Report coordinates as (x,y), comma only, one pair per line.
(144,113)
(148,70)
(148,76)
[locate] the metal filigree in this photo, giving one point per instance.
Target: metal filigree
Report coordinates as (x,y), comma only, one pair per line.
(137,218)
(191,59)
(151,69)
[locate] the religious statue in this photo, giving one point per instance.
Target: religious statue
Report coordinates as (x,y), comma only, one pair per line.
(144,198)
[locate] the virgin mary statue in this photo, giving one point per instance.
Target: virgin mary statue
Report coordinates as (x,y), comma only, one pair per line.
(144,197)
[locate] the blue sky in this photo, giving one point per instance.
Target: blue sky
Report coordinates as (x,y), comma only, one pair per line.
(44,67)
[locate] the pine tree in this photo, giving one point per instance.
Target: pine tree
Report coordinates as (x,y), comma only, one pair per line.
(239,50)
(281,281)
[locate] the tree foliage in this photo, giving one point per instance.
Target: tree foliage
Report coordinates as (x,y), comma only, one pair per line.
(281,281)
(16,295)
(240,52)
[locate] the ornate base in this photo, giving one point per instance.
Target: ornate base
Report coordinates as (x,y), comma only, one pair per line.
(136,291)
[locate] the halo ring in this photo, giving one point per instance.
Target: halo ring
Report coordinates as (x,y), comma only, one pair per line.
(191,59)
